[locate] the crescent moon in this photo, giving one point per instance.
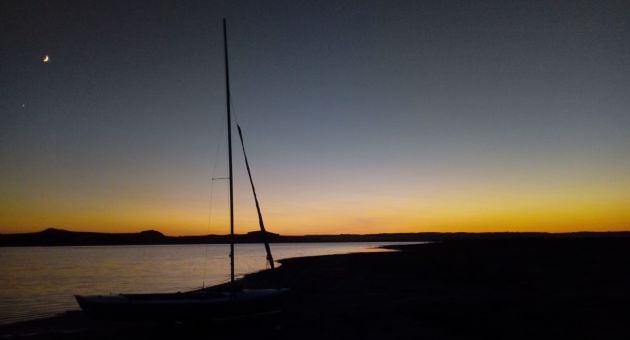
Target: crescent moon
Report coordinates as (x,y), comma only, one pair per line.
(46,58)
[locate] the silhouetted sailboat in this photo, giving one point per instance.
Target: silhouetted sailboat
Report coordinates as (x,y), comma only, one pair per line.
(204,303)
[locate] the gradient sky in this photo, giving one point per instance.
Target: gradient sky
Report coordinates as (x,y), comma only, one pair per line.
(359,116)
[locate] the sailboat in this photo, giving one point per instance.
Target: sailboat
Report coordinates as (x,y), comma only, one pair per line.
(229,300)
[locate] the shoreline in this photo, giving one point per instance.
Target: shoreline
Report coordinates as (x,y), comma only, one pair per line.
(518,289)
(58,237)
(189,267)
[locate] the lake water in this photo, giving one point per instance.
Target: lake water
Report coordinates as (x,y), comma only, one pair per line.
(37,282)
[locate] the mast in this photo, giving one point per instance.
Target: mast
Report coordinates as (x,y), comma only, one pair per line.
(229,136)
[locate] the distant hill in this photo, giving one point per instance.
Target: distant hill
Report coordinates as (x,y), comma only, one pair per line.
(60,237)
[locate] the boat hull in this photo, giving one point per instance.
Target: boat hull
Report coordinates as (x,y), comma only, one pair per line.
(183,306)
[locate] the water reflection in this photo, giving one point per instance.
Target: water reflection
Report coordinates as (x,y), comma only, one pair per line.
(41,281)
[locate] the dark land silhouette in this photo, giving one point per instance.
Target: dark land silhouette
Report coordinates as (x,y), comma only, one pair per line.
(542,287)
(61,237)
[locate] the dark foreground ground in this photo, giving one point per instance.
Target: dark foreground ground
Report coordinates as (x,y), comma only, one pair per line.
(549,288)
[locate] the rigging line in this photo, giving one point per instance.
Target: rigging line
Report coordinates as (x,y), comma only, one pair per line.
(205,257)
(210,205)
(233,110)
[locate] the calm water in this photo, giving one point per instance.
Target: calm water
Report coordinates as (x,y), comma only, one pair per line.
(41,281)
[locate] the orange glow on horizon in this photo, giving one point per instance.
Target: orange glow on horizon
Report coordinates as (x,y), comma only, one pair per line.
(472,203)
(333,216)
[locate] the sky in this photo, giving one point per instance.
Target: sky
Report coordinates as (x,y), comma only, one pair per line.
(359,116)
